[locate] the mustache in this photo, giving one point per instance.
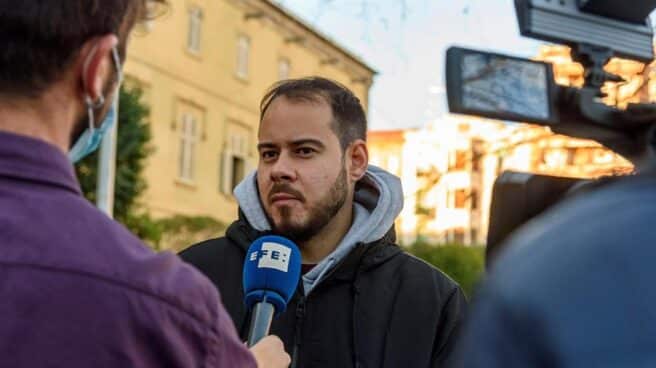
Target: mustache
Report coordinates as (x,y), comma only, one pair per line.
(286,189)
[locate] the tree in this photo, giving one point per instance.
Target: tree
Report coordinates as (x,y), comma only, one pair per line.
(466,265)
(132,150)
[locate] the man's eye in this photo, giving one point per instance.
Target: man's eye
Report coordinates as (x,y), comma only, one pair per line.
(305,151)
(268,155)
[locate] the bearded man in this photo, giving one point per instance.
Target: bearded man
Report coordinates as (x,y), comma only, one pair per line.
(362,300)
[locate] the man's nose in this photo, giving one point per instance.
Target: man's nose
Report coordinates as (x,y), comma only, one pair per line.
(283,169)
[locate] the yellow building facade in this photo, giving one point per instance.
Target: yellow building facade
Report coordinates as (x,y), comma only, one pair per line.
(204,66)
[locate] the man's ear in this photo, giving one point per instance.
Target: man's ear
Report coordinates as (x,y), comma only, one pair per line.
(358,159)
(95,65)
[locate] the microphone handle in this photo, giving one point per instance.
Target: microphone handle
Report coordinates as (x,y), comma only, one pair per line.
(260,322)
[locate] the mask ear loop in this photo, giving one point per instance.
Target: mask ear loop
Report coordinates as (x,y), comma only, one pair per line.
(117,65)
(91,105)
(100,102)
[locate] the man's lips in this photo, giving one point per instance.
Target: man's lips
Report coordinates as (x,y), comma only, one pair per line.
(278,197)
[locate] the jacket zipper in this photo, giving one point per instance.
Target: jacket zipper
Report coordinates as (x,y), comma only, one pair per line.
(300,316)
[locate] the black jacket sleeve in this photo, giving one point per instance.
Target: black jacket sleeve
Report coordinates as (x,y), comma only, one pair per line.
(452,317)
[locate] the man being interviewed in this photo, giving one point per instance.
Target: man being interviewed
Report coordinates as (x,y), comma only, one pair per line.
(362,301)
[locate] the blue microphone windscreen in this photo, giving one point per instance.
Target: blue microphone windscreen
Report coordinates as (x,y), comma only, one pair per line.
(272,269)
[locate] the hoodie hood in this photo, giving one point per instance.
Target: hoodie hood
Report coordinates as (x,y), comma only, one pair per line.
(378,201)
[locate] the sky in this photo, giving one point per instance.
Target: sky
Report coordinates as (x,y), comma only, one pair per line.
(406,40)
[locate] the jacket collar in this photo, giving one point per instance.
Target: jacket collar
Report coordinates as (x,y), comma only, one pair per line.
(361,259)
(29,159)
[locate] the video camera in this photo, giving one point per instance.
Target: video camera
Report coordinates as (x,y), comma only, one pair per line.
(508,88)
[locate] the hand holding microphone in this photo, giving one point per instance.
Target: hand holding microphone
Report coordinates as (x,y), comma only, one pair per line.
(270,353)
(272,269)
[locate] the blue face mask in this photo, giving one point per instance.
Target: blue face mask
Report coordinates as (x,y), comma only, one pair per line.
(91,137)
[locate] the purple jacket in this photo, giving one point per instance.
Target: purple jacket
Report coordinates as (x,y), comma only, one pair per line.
(78,290)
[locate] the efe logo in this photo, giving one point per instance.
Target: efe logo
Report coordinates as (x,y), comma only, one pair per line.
(272,255)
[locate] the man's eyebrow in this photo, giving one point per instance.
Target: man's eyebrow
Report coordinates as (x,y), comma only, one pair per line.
(315,142)
(295,143)
(261,146)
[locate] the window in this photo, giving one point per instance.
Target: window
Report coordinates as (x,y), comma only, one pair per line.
(602,156)
(193,36)
(571,154)
(476,155)
(283,69)
(188,138)
(238,171)
(460,198)
(476,164)
(461,160)
(236,162)
(555,158)
(243,51)
(473,199)
(474,236)
(459,236)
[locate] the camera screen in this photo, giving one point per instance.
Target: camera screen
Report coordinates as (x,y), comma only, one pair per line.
(502,85)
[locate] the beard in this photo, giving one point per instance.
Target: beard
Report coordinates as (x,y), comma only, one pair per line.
(319,215)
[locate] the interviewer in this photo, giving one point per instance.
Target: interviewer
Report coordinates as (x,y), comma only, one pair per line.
(78,290)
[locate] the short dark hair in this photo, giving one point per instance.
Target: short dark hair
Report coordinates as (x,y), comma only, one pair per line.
(350,122)
(40,38)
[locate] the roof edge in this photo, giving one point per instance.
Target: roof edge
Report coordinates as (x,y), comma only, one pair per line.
(307,27)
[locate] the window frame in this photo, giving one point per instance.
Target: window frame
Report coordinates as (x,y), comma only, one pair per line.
(194,30)
(188,141)
(287,68)
(243,56)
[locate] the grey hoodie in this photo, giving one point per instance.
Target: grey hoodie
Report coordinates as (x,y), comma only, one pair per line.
(378,201)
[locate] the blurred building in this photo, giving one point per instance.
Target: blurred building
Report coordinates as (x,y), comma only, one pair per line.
(203,66)
(447,172)
(448,168)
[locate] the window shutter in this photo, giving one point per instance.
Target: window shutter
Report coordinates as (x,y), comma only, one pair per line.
(226,172)
(251,165)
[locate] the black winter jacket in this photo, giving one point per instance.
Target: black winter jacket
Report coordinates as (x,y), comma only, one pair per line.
(379,307)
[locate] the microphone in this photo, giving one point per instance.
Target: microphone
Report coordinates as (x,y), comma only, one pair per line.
(272,269)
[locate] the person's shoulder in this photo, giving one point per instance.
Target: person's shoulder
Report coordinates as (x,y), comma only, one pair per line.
(589,220)
(604,229)
(164,279)
(162,285)
(183,316)
(219,259)
(89,243)
(107,252)
(420,273)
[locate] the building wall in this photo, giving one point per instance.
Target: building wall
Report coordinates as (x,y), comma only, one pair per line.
(439,178)
(206,115)
(386,151)
(450,166)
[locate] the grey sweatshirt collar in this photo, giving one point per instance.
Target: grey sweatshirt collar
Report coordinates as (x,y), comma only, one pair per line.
(378,201)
